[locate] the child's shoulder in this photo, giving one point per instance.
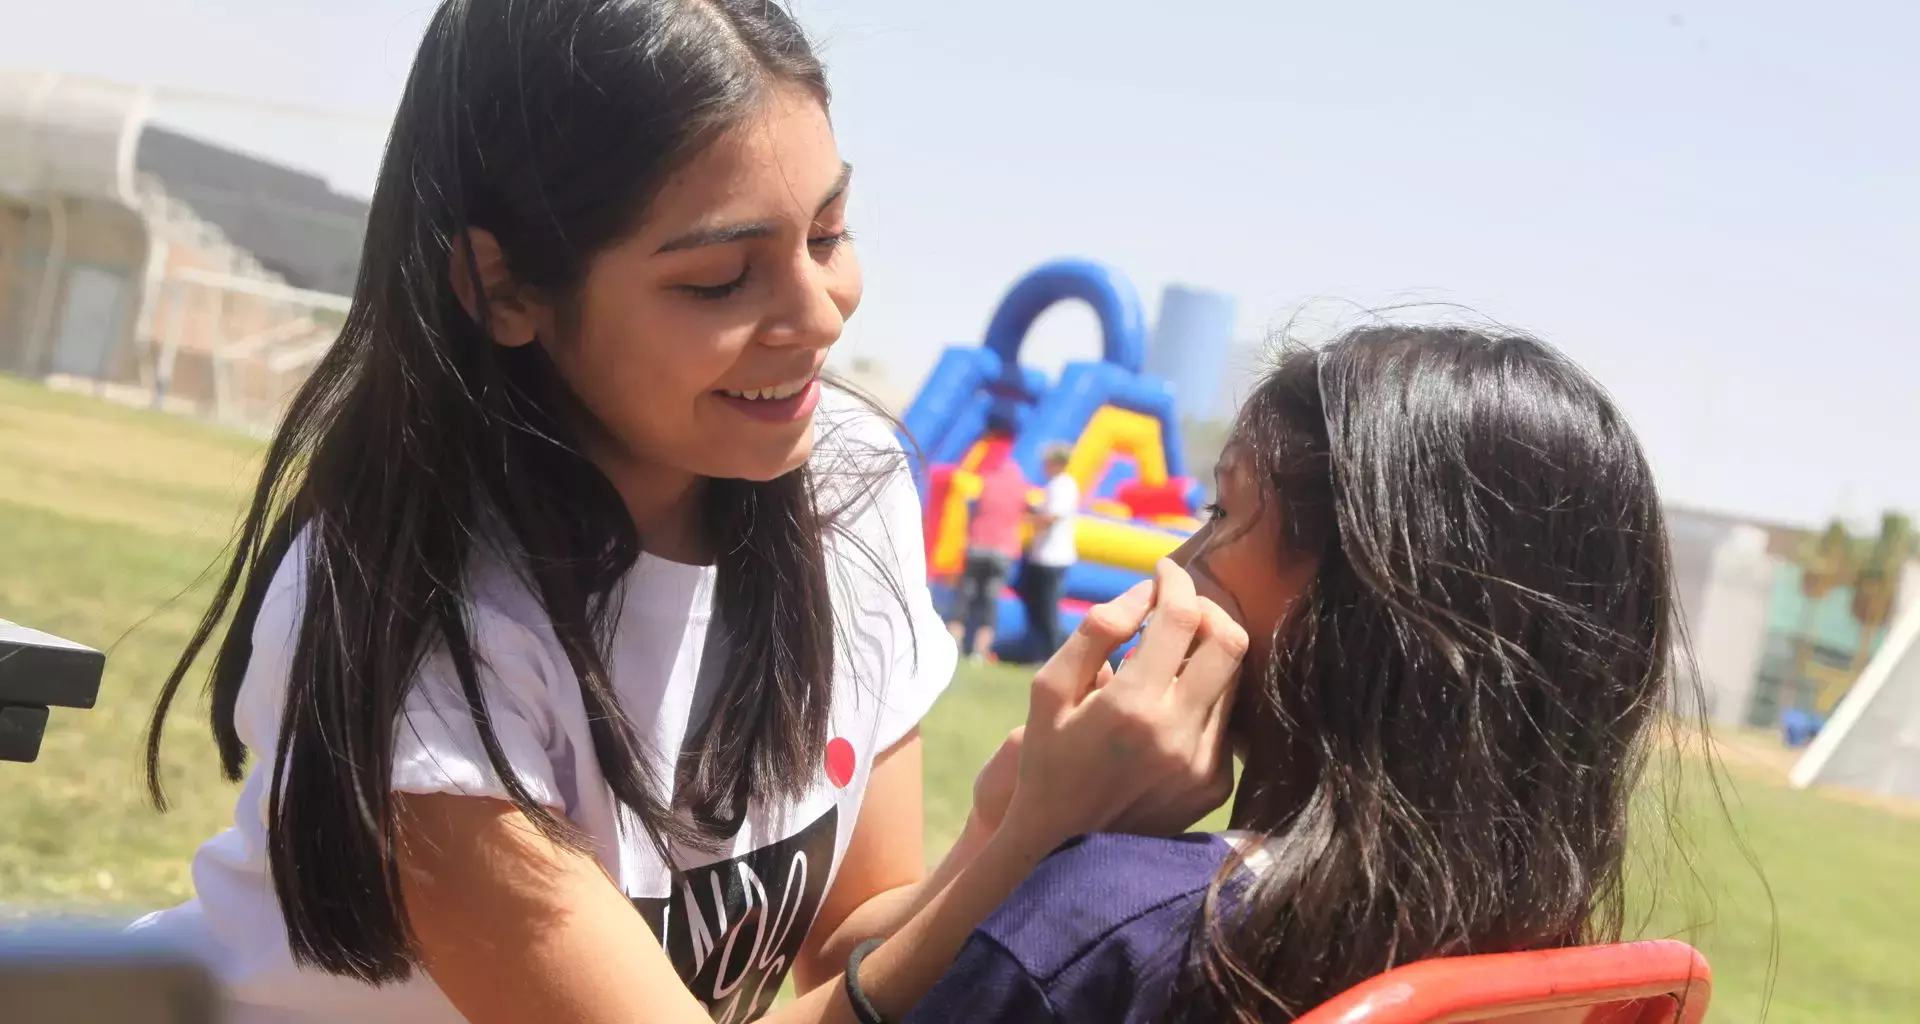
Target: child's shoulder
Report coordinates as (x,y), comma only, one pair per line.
(1136,894)
(1132,872)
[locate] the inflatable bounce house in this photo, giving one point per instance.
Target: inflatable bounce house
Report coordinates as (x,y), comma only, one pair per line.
(1138,503)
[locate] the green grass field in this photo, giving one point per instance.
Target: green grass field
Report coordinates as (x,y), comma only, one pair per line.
(109,519)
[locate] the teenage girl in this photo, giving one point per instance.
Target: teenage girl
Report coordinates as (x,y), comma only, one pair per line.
(1448,551)
(577,635)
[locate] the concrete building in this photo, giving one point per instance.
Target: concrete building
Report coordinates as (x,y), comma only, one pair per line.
(1723,574)
(1192,348)
(121,264)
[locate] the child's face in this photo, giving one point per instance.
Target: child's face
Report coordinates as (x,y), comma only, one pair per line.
(738,280)
(1238,560)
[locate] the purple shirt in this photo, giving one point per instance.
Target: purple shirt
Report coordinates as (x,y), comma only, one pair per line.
(1099,933)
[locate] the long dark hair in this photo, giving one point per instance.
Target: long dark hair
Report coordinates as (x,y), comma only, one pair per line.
(1459,705)
(417,440)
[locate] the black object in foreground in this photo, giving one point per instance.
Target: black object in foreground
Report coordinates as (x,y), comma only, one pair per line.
(40,671)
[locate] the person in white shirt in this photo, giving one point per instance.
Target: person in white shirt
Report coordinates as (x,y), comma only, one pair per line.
(578,635)
(1051,553)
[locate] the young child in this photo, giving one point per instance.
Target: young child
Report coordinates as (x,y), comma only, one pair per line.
(1448,553)
(1052,552)
(993,544)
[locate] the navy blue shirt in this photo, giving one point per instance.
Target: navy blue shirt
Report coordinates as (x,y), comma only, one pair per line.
(1099,932)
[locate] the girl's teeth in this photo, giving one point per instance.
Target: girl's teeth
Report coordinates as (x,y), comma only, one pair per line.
(769,394)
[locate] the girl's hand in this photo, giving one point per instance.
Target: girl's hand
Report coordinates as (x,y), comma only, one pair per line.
(993,787)
(1140,749)
(1175,802)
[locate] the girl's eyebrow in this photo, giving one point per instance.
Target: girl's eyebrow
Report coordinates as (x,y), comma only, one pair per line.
(723,234)
(839,188)
(700,238)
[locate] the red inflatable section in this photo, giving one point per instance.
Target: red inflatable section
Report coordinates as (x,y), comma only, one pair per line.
(991,454)
(1149,500)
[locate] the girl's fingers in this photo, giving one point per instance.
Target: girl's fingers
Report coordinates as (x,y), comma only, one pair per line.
(1217,759)
(1104,677)
(1066,677)
(1164,643)
(1098,682)
(1192,724)
(1221,644)
(1213,730)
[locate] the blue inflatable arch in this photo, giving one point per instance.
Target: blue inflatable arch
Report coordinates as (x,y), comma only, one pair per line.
(1123,331)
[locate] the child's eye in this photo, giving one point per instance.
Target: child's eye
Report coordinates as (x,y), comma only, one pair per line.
(1212,513)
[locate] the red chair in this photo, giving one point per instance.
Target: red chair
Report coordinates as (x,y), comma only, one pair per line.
(1654,982)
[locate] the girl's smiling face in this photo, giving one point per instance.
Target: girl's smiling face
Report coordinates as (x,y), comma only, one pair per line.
(697,341)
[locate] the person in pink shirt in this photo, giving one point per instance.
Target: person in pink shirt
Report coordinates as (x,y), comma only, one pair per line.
(993,545)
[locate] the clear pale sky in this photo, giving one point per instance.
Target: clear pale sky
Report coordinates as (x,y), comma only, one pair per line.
(1712,204)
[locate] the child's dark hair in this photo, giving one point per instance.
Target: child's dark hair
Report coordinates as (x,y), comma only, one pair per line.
(1000,424)
(417,439)
(1459,705)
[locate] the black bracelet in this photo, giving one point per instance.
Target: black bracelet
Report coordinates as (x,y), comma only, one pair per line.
(863,1008)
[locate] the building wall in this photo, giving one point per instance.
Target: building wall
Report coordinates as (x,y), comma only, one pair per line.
(196,321)
(16,281)
(99,227)
(1192,343)
(1723,578)
(96,289)
(104,325)
(1732,630)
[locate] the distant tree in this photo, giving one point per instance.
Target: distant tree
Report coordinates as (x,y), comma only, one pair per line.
(1877,579)
(1826,563)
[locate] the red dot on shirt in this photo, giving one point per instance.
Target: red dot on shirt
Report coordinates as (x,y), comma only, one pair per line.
(840,761)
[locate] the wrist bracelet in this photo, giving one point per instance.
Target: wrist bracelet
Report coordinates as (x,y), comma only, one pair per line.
(863,1008)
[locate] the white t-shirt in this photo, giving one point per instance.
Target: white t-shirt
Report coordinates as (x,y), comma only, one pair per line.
(1054,547)
(736,918)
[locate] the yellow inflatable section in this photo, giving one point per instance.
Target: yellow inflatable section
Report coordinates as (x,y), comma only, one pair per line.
(1113,432)
(1098,539)
(1122,545)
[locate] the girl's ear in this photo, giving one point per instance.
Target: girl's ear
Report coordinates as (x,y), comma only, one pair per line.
(511,317)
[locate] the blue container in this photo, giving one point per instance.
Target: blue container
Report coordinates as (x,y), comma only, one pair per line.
(1798,726)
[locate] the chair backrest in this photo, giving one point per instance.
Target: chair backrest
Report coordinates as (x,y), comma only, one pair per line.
(1654,982)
